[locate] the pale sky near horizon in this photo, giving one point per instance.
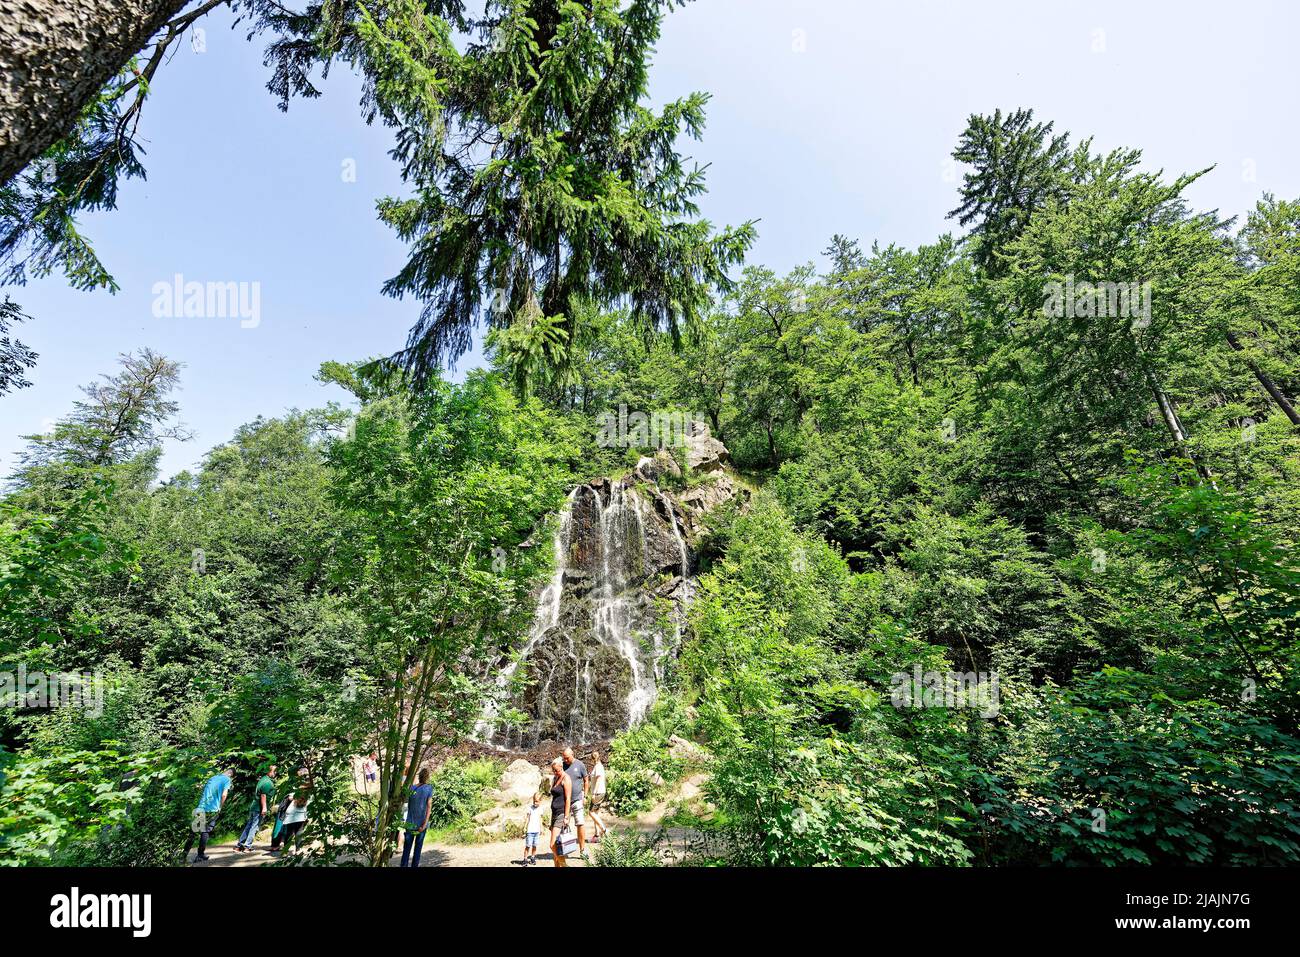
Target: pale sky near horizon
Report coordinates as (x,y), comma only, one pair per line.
(826,116)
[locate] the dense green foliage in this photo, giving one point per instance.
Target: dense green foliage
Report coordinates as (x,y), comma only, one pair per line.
(323,585)
(1094,506)
(639,763)
(540,182)
(626,849)
(1057,457)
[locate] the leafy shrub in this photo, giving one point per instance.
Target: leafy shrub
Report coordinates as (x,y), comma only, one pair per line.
(151,835)
(806,769)
(458,789)
(631,790)
(639,763)
(1132,772)
(74,808)
(834,802)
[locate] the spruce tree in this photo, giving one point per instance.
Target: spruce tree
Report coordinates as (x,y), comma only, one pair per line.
(541,182)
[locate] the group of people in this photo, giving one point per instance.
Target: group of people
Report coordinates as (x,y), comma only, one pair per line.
(576,794)
(290,815)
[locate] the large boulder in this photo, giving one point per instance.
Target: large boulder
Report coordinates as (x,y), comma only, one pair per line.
(519,782)
(498,822)
(688,751)
(708,495)
(653,469)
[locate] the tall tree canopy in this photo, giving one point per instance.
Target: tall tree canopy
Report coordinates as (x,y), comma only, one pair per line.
(1017,165)
(15,358)
(540,181)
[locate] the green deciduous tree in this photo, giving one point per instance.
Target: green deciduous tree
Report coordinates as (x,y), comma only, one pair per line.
(436,494)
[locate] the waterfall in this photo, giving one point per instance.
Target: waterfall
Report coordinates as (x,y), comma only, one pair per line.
(688,588)
(545,617)
(597,641)
(612,608)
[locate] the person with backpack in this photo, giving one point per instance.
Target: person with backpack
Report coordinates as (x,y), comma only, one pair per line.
(294,816)
(259,811)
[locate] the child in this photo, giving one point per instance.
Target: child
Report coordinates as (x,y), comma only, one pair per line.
(532,828)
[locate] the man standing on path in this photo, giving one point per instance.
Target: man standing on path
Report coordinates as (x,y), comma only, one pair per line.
(211,802)
(263,795)
(577,772)
(418,810)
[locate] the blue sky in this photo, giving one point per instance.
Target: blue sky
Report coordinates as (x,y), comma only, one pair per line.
(826,116)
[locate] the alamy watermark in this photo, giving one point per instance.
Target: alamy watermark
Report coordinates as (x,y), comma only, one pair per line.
(179,299)
(1087,300)
(639,430)
(75,910)
(976,690)
(64,689)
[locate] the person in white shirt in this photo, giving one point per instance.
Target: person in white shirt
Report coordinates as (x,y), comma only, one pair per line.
(294,818)
(532,830)
(596,782)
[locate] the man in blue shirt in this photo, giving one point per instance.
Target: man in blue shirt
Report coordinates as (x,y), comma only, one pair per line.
(418,810)
(211,802)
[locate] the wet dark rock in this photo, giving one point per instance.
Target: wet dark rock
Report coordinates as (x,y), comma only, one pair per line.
(607,625)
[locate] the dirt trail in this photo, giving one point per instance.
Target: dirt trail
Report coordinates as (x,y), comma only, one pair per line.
(494,854)
(490,854)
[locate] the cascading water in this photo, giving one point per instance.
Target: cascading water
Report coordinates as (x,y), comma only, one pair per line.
(544,617)
(595,648)
(613,609)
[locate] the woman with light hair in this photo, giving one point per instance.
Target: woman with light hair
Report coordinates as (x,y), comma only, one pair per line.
(561,797)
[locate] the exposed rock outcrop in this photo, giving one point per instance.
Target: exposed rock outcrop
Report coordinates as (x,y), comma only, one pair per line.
(704,453)
(686,751)
(613,613)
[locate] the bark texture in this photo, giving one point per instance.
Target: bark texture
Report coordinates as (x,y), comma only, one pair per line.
(57,54)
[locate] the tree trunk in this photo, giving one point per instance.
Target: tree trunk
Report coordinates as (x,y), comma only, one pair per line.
(1176,432)
(1267,382)
(55,56)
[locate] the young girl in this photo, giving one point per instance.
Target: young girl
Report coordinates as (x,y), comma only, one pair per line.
(532,829)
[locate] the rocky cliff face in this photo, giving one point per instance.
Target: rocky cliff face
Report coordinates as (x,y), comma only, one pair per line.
(612,615)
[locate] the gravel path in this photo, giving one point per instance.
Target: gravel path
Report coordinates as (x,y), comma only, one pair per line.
(493,854)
